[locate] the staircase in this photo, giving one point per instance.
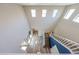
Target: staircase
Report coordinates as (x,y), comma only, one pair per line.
(71,45)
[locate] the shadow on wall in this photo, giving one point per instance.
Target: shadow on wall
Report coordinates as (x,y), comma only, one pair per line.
(13,28)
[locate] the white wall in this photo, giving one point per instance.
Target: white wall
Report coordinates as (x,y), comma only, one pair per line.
(43,24)
(68,28)
(13,28)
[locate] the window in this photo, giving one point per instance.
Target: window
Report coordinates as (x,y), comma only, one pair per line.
(44,11)
(54,13)
(69,13)
(33,12)
(76,19)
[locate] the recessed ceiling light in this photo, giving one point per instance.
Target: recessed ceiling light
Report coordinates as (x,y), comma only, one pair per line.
(54,13)
(44,11)
(69,13)
(76,19)
(33,12)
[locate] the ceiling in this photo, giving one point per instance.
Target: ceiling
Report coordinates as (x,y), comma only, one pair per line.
(47,23)
(57,4)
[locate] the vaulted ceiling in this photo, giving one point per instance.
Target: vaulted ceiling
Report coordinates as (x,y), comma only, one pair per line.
(48,22)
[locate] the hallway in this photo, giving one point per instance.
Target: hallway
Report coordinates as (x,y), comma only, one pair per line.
(23,28)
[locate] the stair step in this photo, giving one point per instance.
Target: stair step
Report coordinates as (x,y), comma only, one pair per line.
(67,43)
(60,39)
(77,52)
(70,45)
(64,41)
(73,47)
